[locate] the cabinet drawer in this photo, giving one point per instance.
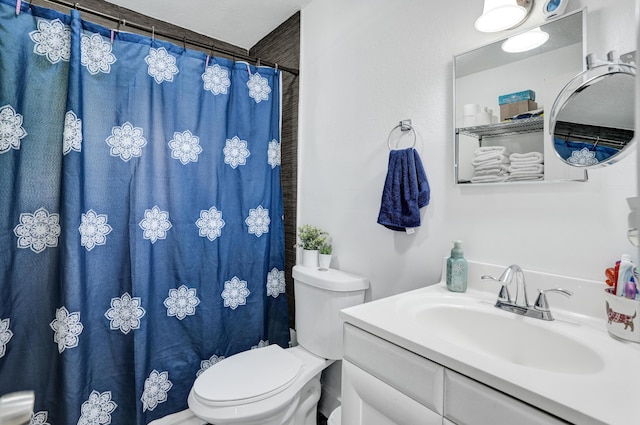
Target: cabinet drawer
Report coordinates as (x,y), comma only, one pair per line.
(413,375)
(468,402)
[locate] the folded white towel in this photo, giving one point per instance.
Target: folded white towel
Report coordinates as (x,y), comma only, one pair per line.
(495,170)
(491,160)
(491,167)
(525,173)
(522,177)
(529,161)
(488,179)
(489,155)
(526,156)
(527,168)
(490,149)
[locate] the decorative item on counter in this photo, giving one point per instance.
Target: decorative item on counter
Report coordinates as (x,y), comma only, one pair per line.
(625,274)
(622,300)
(457,269)
(311,239)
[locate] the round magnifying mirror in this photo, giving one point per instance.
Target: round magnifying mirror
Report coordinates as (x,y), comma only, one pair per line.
(592,120)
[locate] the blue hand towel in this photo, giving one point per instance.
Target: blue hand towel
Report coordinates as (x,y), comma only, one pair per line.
(406,190)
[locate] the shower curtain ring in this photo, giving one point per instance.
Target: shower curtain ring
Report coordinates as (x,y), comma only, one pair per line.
(184,42)
(153,34)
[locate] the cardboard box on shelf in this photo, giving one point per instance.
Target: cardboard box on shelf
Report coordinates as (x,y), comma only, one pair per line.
(510,110)
(516,97)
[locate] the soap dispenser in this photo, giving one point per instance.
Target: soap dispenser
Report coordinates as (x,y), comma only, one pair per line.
(457,269)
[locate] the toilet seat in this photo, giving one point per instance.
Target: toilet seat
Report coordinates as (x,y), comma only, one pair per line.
(247,377)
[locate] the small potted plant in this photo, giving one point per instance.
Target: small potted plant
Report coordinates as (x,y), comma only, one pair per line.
(311,240)
(324,258)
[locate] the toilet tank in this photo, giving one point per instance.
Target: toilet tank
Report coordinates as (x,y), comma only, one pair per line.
(320,294)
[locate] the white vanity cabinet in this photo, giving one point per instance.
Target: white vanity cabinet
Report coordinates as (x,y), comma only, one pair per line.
(384,384)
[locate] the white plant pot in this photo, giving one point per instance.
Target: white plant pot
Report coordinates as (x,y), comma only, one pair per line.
(310,257)
(324,261)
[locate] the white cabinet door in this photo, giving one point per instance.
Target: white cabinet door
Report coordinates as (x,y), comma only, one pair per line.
(366,400)
(468,402)
(417,377)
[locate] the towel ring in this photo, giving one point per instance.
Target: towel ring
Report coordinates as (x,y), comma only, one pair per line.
(404,125)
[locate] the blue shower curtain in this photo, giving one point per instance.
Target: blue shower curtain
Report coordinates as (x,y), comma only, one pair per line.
(141,219)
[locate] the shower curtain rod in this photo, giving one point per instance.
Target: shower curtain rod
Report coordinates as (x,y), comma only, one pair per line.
(184,40)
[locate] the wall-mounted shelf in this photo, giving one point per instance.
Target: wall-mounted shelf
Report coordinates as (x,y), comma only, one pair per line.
(507,128)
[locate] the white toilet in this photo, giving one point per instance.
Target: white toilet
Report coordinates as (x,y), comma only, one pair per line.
(276,386)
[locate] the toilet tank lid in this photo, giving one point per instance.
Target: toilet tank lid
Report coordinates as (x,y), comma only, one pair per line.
(330,279)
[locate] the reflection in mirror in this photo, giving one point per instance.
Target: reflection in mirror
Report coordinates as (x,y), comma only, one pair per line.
(592,120)
(500,100)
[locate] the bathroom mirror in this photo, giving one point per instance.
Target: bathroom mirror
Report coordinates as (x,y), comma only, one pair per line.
(484,74)
(592,120)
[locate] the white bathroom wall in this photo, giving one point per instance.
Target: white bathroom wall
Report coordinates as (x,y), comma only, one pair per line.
(366,65)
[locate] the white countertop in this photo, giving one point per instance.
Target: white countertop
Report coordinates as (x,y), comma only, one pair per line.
(608,394)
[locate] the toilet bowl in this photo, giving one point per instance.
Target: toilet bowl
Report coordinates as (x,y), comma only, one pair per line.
(276,386)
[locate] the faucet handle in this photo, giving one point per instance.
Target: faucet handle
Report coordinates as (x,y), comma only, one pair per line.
(504,294)
(541,302)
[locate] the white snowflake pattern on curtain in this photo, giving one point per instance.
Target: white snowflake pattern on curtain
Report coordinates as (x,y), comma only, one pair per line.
(210,223)
(156,387)
(258,221)
(235,293)
(185,147)
(125,313)
(206,364)
(38,231)
(162,66)
(93,229)
(155,224)
(97,409)
(72,134)
(258,87)
(40,418)
(216,79)
(273,153)
(235,152)
(66,329)
(583,157)
(11,130)
(275,283)
(181,302)
(126,141)
(261,344)
(52,40)
(5,335)
(95,54)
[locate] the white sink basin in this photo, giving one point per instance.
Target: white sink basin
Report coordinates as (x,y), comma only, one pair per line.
(569,367)
(507,336)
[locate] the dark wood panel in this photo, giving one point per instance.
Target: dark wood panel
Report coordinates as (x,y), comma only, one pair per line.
(282,46)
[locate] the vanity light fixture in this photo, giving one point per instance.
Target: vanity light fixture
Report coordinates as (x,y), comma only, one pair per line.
(526,41)
(499,15)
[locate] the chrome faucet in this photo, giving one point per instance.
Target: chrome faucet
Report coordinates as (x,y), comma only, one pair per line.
(520,305)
